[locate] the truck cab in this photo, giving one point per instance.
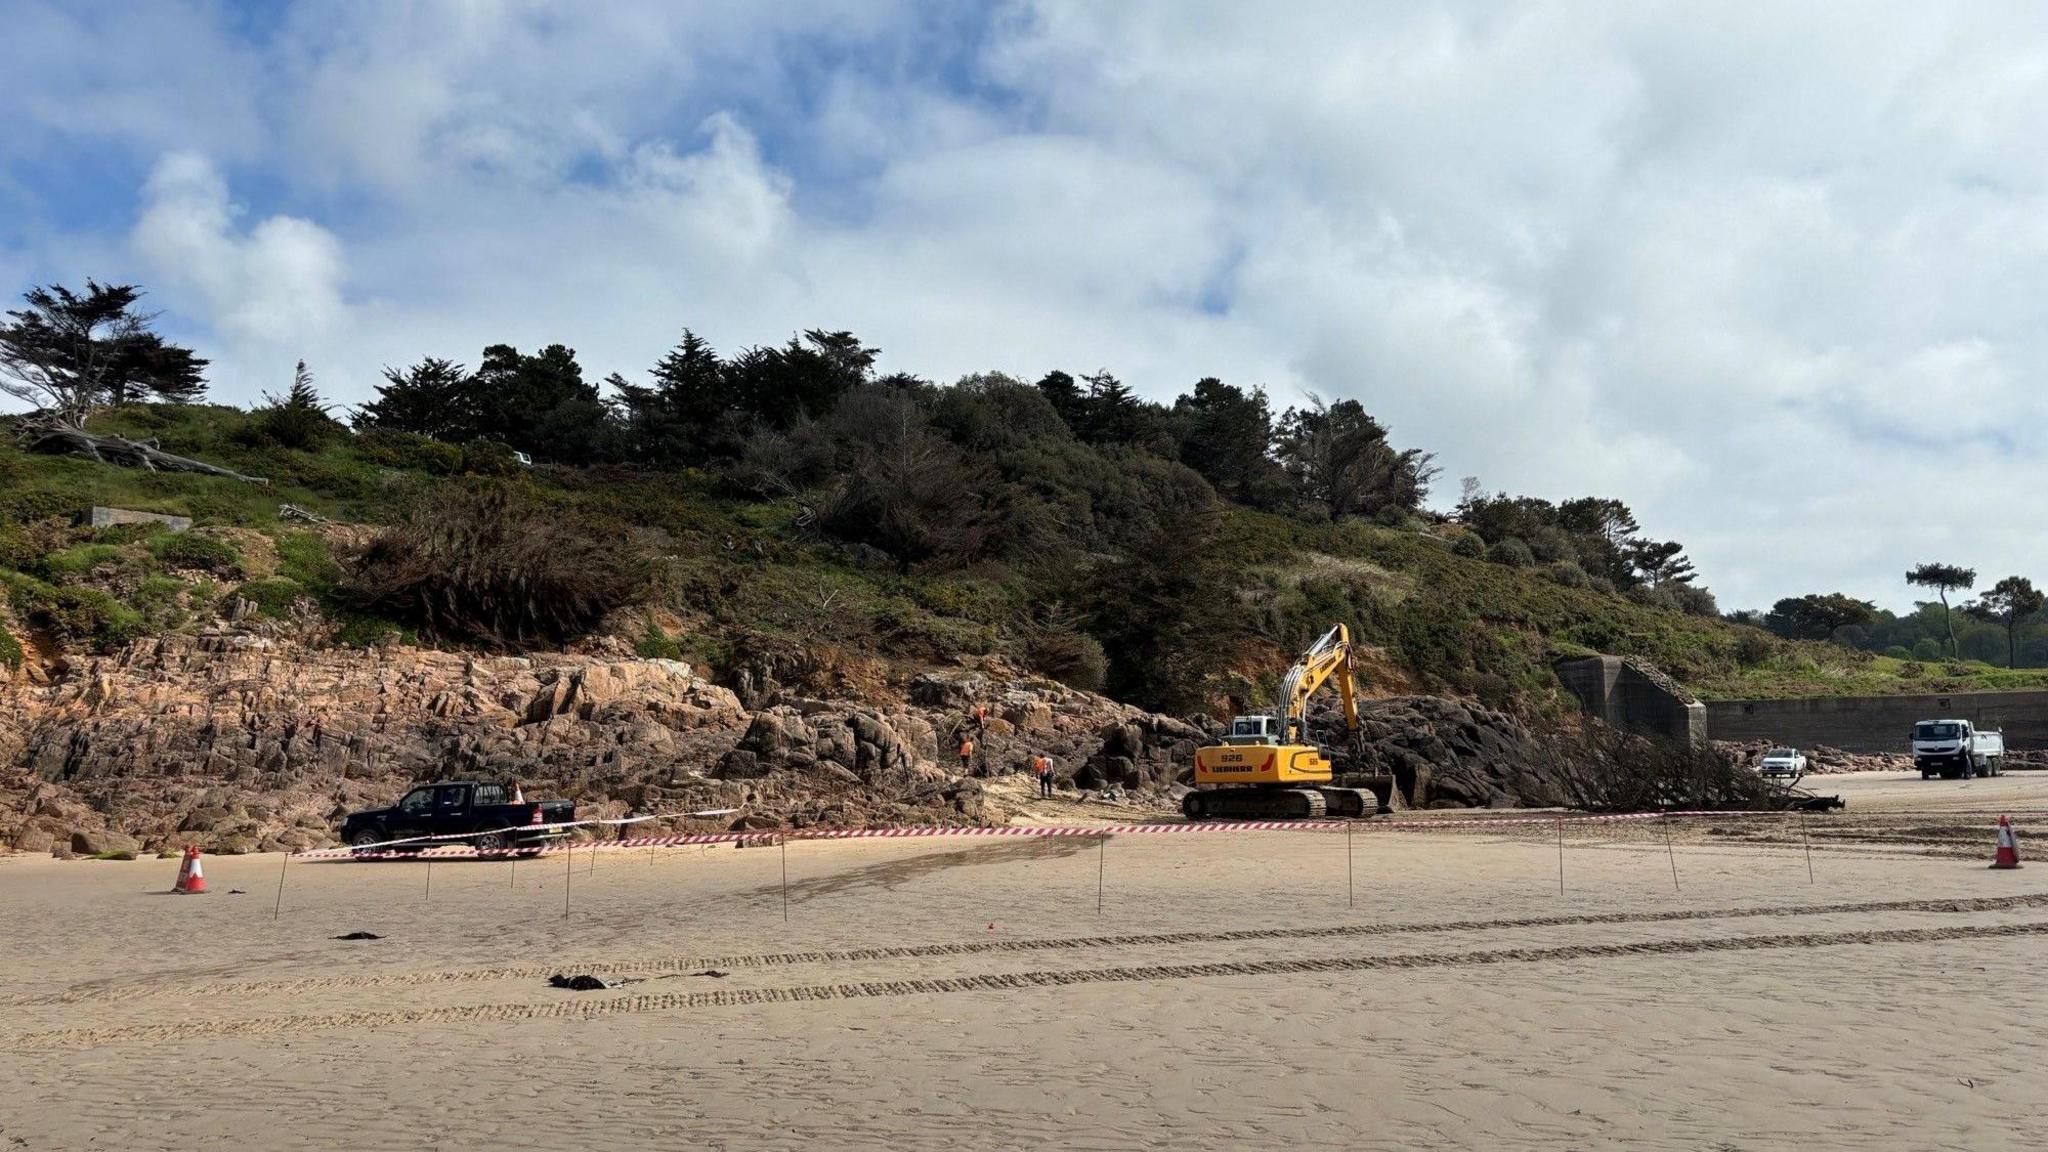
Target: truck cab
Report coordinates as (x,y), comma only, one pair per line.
(1955,748)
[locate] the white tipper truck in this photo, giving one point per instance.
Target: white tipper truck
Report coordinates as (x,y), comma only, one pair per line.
(1956,748)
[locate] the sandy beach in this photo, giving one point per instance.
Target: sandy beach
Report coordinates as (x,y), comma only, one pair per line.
(956,993)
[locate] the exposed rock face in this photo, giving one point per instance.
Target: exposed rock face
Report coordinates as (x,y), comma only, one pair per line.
(1444,753)
(242,742)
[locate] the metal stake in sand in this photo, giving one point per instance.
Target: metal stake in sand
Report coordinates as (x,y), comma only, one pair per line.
(1101,861)
(785,878)
(1560,855)
(1669,851)
(568,873)
(1808,845)
(1350,901)
(430,879)
(281,866)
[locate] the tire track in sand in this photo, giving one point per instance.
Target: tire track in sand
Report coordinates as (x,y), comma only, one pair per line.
(75,1038)
(660,965)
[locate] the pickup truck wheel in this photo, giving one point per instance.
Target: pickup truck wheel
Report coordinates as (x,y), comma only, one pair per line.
(495,840)
(364,837)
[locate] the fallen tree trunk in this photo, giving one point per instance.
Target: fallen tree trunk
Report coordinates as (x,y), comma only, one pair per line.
(59,438)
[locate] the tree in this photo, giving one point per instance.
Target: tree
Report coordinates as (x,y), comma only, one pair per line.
(1816,616)
(1065,396)
(1227,436)
(800,380)
(297,419)
(1109,410)
(1338,456)
(431,398)
(2009,602)
(907,490)
(1944,579)
(541,404)
(1161,610)
(1660,562)
(689,415)
(71,353)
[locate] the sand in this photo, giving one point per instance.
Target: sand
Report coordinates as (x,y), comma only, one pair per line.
(967,993)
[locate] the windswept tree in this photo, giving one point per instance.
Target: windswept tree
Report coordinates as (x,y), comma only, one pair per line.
(2009,603)
(69,353)
(1659,563)
(1944,579)
(1817,616)
(1338,456)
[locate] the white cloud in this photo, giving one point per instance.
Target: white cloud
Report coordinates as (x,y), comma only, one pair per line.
(277,285)
(1768,272)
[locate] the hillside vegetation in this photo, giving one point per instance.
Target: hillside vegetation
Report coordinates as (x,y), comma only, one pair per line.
(729,578)
(790,512)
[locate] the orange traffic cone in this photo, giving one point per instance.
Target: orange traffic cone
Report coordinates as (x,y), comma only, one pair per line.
(2008,854)
(191,880)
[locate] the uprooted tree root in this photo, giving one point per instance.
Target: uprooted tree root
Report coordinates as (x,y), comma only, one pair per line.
(1606,770)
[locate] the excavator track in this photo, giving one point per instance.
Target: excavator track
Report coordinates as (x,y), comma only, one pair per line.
(1255,804)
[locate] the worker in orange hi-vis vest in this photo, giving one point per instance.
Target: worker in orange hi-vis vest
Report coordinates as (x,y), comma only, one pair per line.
(966,755)
(1041,766)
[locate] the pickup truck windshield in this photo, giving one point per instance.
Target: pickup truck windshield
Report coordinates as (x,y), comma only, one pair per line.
(1934,731)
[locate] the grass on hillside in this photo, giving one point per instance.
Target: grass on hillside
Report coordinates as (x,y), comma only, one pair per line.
(733,572)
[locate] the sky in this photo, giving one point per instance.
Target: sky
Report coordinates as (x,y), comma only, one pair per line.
(1771,273)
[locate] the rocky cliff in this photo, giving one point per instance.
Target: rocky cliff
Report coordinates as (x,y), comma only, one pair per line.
(237,740)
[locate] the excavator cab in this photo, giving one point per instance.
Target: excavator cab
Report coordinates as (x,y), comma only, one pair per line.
(1254,730)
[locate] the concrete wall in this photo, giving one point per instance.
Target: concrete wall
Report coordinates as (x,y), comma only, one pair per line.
(1878,723)
(108,517)
(1623,696)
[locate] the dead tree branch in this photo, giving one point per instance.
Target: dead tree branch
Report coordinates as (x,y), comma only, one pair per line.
(57,437)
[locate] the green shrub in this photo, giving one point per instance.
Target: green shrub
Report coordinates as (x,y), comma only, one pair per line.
(28,507)
(404,450)
(359,630)
(303,557)
(1071,657)
(1568,573)
(75,562)
(1510,553)
(1469,545)
(10,650)
(78,614)
(1693,600)
(1753,647)
(273,598)
(489,458)
(192,550)
(655,644)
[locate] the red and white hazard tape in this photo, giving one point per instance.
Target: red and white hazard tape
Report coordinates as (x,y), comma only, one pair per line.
(929,831)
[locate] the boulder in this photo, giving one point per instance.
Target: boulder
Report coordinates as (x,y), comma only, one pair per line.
(95,842)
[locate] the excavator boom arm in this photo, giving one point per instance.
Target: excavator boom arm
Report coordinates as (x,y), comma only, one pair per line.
(1328,657)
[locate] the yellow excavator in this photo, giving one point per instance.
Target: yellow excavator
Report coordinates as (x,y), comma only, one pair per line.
(1267,768)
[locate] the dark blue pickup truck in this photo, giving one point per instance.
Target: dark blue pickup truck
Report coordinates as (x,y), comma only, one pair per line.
(482,813)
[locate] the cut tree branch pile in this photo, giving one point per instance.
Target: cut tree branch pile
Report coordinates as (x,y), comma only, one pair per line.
(57,437)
